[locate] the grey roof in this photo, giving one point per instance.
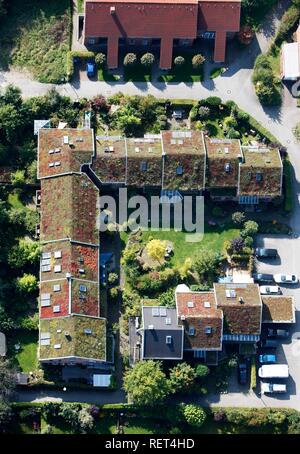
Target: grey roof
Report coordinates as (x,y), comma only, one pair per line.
(2,344)
(160,323)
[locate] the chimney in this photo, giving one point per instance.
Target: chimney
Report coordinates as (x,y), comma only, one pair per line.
(241,301)
(112,10)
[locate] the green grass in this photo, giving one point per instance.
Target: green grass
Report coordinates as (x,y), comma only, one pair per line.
(26,357)
(14,200)
(138,74)
(80,6)
(37,36)
(104,75)
(216,72)
(185,73)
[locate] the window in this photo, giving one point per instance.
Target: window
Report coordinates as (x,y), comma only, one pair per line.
(227,167)
(190,304)
(145,42)
(191,331)
(168,340)
(57,269)
(259,177)
(88,331)
(81,271)
(46,255)
(230,293)
(57,254)
(46,268)
(91,41)
(56,288)
(162,311)
(82,288)
(56,308)
(45,299)
(206,304)
(179,170)
(57,346)
(208,330)
(155,311)
(143,166)
(168,321)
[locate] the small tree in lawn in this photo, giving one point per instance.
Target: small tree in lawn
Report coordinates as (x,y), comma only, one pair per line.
(85,420)
(146,383)
(182,377)
(197,61)
(206,264)
(156,249)
(202,371)
(130,60)
(147,60)
(179,61)
(100,60)
(250,229)
(194,415)
(204,112)
(238,218)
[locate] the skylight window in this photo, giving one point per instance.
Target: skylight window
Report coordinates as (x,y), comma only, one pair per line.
(168,321)
(57,269)
(143,166)
(190,304)
(191,331)
(57,254)
(56,288)
(83,288)
(206,304)
(208,330)
(179,170)
(168,340)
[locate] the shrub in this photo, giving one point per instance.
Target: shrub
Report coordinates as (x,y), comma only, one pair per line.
(276,418)
(130,60)
(248,241)
(182,377)
(100,59)
(238,218)
(237,244)
(113,278)
(179,61)
(202,371)
(213,101)
(197,61)
(203,112)
(100,104)
(85,420)
(250,229)
(167,298)
(194,415)
(47,430)
(233,134)
(211,129)
(175,431)
(287,24)
(147,60)
(114,293)
(220,416)
(288,189)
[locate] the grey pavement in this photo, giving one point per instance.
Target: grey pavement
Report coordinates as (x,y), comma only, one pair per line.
(234,84)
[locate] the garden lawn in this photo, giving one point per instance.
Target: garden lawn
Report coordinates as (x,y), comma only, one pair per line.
(26,357)
(186,73)
(138,74)
(14,200)
(104,75)
(216,72)
(80,6)
(212,240)
(37,36)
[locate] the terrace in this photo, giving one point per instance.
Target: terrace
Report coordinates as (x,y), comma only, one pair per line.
(62,151)
(73,199)
(278,309)
(109,163)
(81,261)
(224,156)
(73,337)
(242,307)
(261,172)
(184,164)
(144,161)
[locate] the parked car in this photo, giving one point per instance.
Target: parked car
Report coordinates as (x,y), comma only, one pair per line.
(286,279)
(90,69)
(269,343)
(267,358)
(280,333)
(273,388)
(266,253)
(274,371)
(242,373)
(270,290)
(177,114)
(262,277)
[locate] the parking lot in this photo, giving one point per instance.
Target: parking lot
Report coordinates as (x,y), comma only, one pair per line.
(288,351)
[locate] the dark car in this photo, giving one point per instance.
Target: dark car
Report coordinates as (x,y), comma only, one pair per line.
(242,373)
(261,277)
(90,69)
(269,343)
(266,253)
(279,333)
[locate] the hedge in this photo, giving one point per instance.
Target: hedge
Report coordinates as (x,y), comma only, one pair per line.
(253,379)
(288,22)
(70,60)
(288,190)
(254,124)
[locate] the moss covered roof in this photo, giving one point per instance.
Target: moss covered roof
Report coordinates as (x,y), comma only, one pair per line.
(73,336)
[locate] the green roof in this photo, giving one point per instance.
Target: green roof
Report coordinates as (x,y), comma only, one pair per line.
(73,336)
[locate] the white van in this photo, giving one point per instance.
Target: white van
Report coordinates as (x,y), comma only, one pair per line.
(273,388)
(273,371)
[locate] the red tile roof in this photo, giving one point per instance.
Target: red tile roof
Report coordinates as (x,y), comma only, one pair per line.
(200,317)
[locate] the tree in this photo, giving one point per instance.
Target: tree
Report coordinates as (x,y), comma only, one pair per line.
(146,383)
(250,229)
(179,61)
(147,60)
(238,218)
(156,249)
(202,371)
(85,420)
(100,59)
(27,283)
(7,382)
(206,264)
(70,413)
(182,377)
(194,415)
(10,122)
(197,61)
(26,251)
(167,298)
(130,60)
(5,413)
